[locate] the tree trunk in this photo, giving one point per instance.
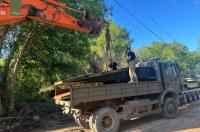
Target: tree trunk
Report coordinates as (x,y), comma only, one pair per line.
(3,33)
(94,67)
(4,81)
(17,65)
(2,110)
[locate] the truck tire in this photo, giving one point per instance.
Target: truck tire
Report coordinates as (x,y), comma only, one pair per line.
(104,120)
(82,121)
(170,108)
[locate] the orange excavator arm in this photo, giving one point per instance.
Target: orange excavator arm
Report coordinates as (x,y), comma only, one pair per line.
(51,12)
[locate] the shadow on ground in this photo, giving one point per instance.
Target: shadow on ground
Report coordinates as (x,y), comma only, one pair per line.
(188,120)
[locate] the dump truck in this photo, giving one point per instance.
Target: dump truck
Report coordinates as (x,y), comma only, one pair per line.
(100,102)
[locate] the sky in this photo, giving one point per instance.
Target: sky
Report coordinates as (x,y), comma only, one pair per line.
(179,18)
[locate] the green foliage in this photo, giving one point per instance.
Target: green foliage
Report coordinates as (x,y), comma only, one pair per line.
(189,61)
(2,62)
(120,40)
(52,53)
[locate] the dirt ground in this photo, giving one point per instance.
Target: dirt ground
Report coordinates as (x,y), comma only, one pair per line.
(187,121)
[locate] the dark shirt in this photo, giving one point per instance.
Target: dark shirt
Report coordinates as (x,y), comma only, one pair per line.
(113,65)
(132,55)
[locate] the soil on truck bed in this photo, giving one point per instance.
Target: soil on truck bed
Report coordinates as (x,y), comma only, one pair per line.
(187,121)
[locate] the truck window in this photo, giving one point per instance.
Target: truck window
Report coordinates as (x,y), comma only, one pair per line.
(169,71)
(174,73)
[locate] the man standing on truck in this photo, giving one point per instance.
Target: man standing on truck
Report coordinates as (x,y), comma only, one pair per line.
(131,64)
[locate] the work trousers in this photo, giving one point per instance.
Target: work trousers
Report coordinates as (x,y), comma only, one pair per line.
(132,74)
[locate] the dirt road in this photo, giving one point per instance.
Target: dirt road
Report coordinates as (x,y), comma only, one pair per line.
(187,121)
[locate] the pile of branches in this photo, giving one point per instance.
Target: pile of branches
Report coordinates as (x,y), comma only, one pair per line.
(28,115)
(16,120)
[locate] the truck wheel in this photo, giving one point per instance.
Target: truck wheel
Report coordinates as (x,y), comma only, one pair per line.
(104,120)
(170,108)
(82,121)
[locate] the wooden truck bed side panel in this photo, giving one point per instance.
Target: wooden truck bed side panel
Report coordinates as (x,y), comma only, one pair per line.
(113,91)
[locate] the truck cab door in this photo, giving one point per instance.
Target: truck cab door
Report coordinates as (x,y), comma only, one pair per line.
(170,77)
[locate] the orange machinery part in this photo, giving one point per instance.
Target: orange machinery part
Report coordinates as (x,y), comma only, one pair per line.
(49,13)
(58,97)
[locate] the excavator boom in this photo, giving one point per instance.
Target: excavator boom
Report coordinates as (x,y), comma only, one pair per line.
(51,12)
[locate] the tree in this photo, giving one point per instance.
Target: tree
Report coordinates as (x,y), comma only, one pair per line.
(172,52)
(41,54)
(3,33)
(120,40)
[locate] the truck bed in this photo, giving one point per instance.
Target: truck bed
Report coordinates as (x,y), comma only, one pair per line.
(144,74)
(113,91)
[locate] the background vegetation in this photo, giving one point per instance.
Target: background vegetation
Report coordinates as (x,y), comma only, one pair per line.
(189,61)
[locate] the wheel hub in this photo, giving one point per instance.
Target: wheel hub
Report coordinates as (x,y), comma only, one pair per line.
(107,122)
(171,108)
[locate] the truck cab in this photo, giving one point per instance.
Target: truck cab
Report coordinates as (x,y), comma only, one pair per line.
(170,76)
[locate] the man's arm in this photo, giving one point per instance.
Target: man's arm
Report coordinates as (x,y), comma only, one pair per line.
(128,58)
